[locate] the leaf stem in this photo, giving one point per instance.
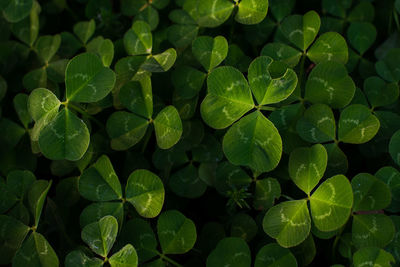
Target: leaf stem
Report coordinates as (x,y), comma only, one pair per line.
(301,75)
(83,112)
(163,257)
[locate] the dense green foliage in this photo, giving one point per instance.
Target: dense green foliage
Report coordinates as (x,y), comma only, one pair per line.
(199,133)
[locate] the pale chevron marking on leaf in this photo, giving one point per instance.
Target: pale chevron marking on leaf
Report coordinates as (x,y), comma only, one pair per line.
(333,195)
(324,215)
(325,44)
(301,168)
(311,29)
(354,121)
(242,137)
(227,115)
(298,31)
(284,219)
(314,166)
(323,120)
(313,136)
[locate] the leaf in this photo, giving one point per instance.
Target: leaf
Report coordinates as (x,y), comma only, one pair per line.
(370,230)
(288,222)
(7,198)
(100,236)
(380,93)
(231,251)
(65,137)
(125,257)
(20,102)
(77,258)
(307,166)
(372,255)
(84,30)
(301,30)
(394,147)
(36,251)
(361,35)
(282,52)
(35,79)
(145,191)
(87,80)
(328,83)
(228,98)
(186,182)
(209,13)
(182,35)
(331,203)
(100,182)
(391,177)
(387,67)
(337,160)
(125,129)
(251,12)
(138,40)
(230,177)
(357,125)
(36,196)
(369,193)
(254,142)
(12,234)
(266,88)
(317,124)
(280,9)
(95,211)
(187,81)
(266,191)
(330,46)
(137,96)
(274,255)
(160,62)
(168,127)
(210,52)
(47,46)
(16,10)
(243,226)
(177,234)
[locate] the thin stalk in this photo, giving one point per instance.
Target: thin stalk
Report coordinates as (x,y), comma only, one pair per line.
(163,257)
(83,112)
(302,74)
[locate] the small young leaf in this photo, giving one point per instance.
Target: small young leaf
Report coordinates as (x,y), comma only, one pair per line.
(288,222)
(84,30)
(357,125)
(145,191)
(251,12)
(254,142)
(307,166)
(210,52)
(65,137)
(87,80)
(47,46)
(272,255)
(138,40)
(36,197)
(100,236)
(125,257)
(100,182)
(231,251)
(168,127)
(331,203)
(177,234)
(372,255)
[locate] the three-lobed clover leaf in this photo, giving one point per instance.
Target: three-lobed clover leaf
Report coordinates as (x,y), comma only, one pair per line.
(210,52)
(138,40)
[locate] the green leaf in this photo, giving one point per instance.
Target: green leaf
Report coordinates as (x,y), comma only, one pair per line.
(100,236)
(210,52)
(370,193)
(186,182)
(317,124)
(20,102)
(288,222)
(307,166)
(254,142)
(125,257)
(209,13)
(394,147)
(251,12)
(77,258)
(145,191)
(273,255)
(243,225)
(231,251)
(182,35)
(372,256)
(370,230)
(137,96)
(177,234)
(229,178)
(7,198)
(266,88)
(361,35)
(65,137)
(387,67)
(35,79)
(337,160)
(160,62)
(36,197)
(138,40)
(282,52)
(301,30)
(328,83)
(168,127)
(281,8)
(12,234)
(380,93)
(331,203)
(228,98)
(84,30)
(266,191)
(87,80)
(357,125)
(95,211)
(36,251)
(187,81)
(330,46)
(100,182)
(16,10)
(47,46)
(391,177)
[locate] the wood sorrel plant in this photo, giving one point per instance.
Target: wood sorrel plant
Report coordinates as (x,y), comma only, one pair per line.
(199,133)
